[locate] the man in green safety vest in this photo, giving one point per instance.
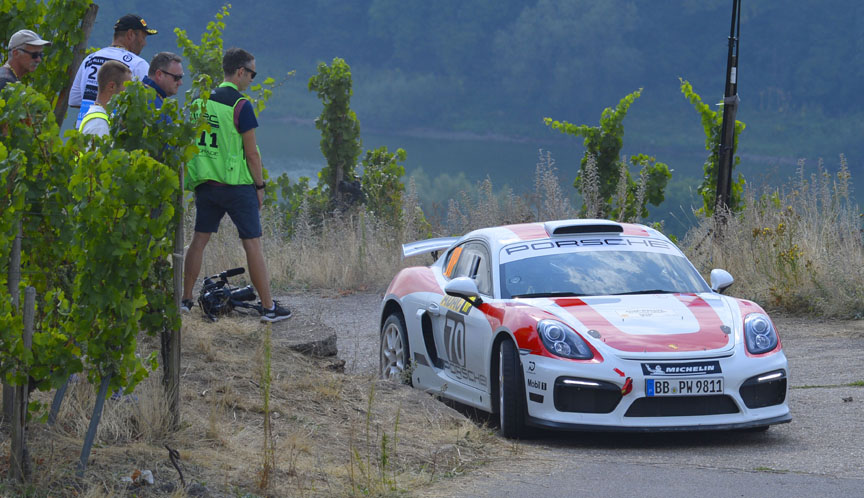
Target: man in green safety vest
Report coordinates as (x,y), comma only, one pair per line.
(112,78)
(227,177)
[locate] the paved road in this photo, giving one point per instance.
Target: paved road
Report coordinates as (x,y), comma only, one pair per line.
(820,453)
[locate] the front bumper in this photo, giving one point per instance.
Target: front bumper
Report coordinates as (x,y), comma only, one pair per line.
(545,424)
(739,406)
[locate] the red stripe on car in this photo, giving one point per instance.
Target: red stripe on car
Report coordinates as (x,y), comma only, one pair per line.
(528,231)
(415,279)
(709,336)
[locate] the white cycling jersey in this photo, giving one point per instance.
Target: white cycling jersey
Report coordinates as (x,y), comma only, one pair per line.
(85,86)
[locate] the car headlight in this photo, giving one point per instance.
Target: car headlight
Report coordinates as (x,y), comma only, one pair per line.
(561,340)
(759,333)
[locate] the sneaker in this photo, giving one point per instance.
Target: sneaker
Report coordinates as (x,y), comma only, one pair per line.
(276,314)
(186,305)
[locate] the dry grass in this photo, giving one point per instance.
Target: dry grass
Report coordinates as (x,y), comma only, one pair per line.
(797,248)
(351,251)
(331,434)
(486,209)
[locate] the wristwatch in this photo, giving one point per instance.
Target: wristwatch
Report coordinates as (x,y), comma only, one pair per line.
(262,186)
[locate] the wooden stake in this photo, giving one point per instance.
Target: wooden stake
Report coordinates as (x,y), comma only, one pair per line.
(171,357)
(19,464)
(12,284)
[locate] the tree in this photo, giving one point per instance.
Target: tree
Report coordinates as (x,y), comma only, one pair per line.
(382,183)
(55,20)
(340,129)
(712,122)
(603,145)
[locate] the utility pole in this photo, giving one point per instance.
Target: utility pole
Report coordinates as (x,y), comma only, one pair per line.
(730,109)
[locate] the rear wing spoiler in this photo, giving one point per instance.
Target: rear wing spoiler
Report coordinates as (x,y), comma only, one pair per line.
(427,246)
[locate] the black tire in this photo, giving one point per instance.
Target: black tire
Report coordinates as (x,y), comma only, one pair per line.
(511,392)
(394,352)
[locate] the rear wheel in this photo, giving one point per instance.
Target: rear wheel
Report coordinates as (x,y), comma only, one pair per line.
(394,357)
(511,392)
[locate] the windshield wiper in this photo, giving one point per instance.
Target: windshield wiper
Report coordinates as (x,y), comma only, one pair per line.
(646,291)
(550,294)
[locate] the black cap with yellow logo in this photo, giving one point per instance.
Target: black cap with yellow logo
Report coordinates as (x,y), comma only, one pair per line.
(131,21)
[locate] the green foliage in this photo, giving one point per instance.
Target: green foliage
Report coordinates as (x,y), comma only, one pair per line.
(123,212)
(382,183)
(34,173)
(96,224)
(205,58)
(98,217)
(603,143)
(167,134)
(56,20)
(340,130)
(299,197)
(712,124)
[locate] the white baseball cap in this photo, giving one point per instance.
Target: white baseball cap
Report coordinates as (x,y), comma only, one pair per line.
(26,37)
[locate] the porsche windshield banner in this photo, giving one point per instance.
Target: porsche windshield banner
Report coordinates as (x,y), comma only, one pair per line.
(523,250)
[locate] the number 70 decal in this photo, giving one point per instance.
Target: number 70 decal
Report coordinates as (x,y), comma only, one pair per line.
(454,338)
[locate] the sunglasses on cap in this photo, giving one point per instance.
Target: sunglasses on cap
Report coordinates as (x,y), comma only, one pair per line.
(33,55)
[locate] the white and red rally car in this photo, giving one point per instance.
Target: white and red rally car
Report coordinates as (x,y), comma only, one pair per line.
(582,325)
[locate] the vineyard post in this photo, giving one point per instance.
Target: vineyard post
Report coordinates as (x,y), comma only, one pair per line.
(19,466)
(77,57)
(94,424)
(172,367)
(14,280)
(57,402)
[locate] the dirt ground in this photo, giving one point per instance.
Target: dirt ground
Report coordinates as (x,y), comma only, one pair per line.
(329,432)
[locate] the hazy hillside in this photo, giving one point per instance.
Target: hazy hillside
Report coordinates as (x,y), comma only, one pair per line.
(500,66)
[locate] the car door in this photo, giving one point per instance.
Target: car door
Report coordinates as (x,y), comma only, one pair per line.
(461,329)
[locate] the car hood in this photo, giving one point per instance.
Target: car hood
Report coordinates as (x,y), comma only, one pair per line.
(655,323)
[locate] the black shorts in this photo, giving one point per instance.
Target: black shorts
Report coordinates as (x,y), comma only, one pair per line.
(239,201)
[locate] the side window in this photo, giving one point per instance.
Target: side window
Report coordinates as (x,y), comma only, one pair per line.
(452,259)
(474,263)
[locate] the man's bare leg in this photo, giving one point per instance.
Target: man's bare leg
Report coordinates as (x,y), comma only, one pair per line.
(258,270)
(192,263)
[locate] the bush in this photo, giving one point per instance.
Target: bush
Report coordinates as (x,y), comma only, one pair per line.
(797,248)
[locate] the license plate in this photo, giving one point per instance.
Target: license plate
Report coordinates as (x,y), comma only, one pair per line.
(683,387)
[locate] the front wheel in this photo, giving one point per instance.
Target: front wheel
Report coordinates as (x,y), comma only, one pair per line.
(394,351)
(511,392)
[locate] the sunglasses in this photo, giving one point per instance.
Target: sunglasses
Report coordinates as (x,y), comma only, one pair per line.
(177,77)
(34,55)
(253,73)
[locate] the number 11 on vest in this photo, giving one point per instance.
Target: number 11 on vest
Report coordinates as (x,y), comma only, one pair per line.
(203,141)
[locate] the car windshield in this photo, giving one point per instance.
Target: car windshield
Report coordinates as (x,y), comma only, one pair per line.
(597,273)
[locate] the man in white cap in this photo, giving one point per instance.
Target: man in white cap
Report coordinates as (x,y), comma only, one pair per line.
(26,50)
(130,37)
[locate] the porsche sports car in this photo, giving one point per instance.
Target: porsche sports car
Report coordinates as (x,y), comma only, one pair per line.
(582,325)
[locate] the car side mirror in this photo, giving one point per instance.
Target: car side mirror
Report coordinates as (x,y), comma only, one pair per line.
(465,288)
(720,280)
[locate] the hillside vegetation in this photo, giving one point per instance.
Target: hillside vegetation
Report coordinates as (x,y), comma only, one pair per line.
(500,66)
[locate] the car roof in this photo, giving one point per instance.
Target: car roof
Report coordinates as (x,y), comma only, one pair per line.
(500,236)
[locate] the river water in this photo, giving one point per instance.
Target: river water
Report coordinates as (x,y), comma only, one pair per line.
(442,165)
